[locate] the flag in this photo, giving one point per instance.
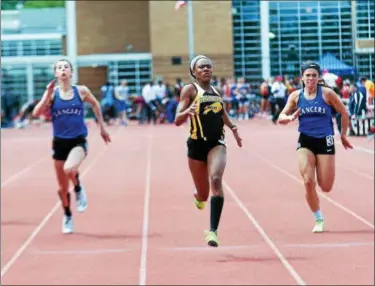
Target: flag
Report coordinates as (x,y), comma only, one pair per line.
(179,4)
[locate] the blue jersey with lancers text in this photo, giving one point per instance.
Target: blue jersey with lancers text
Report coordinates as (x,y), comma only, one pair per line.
(68,117)
(315,119)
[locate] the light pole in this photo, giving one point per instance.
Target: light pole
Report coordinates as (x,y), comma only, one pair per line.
(190,29)
(71,37)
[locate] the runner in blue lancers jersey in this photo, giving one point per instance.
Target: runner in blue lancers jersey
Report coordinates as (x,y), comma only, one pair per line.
(316,146)
(66,103)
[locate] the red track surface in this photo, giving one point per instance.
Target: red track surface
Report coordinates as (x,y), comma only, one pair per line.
(141,226)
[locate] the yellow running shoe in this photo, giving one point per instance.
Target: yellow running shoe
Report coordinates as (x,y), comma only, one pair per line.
(319,226)
(211,238)
(200,205)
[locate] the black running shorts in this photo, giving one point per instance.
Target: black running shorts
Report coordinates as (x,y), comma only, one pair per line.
(62,147)
(319,146)
(198,149)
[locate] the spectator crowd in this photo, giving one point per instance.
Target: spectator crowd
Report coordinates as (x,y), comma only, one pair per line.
(243,100)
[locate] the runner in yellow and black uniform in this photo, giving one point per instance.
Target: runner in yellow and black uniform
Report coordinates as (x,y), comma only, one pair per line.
(206,146)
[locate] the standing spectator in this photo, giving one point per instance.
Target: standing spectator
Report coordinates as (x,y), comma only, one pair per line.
(330,80)
(224,84)
(345,91)
(243,94)
(160,91)
(178,86)
(170,109)
(149,109)
(234,98)
(369,86)
(122,101)
(357,103)
(278,91)
(108,102)
(264,92)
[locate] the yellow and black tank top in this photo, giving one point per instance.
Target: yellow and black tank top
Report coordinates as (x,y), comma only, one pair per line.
(208,122)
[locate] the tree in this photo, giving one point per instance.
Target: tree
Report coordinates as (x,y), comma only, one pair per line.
(44,4)
(9,4)
(12,4)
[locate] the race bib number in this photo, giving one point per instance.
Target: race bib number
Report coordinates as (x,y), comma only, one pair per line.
(330,140)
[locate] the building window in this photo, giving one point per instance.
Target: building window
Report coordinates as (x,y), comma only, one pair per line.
(307,30)
(9,49)
(14,82)
(19,48)
(365,19)
(365,65)
(247,56)
(136,72)
(42,75)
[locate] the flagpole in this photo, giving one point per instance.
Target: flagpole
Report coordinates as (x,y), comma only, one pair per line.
(190,29)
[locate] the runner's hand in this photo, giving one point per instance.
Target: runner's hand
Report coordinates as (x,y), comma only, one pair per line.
(192,109)
(345,142)
(237,136)
(105,135)
(289,118)
(51,85)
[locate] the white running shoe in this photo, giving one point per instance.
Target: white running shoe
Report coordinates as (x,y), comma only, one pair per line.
(67,225)
(319,226)
(81,200)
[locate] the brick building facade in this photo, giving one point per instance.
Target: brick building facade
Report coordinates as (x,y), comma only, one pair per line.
(111,27)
